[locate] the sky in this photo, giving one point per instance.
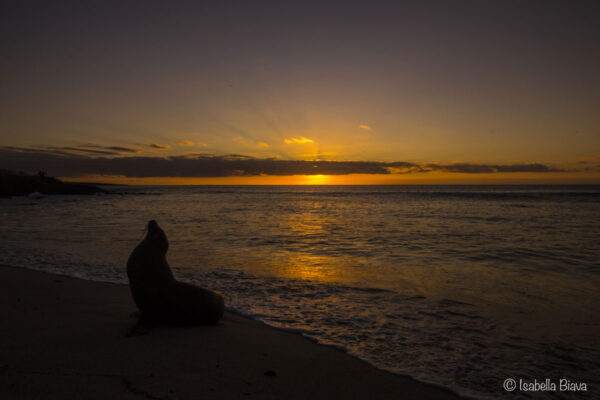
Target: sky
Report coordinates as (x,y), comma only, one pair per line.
(260,92)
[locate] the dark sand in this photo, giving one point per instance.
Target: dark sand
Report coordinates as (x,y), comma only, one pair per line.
(65,338)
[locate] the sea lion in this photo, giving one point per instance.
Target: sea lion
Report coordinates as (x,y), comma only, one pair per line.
(156,292)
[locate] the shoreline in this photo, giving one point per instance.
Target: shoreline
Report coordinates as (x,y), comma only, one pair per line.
(66,337)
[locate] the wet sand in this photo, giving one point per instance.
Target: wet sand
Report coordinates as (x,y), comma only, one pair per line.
(66,338)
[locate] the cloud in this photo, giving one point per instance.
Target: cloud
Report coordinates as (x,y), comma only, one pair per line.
(186,143)
(123,149)
(489,169)
(61,162)
(263,144)
(83,150)
(159,146)
(366,127)
(92,149)
(195,155)
(589,163)
(300,139)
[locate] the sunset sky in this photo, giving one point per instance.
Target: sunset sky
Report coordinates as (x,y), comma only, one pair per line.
(256,92)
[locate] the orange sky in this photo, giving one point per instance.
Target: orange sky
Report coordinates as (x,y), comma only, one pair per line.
(95,93)
(359,179)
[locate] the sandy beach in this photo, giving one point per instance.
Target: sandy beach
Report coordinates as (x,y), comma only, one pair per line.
(65,338)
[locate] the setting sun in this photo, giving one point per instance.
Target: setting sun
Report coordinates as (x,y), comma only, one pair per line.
(317,180)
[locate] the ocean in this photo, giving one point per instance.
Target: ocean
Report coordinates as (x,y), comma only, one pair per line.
(459,286)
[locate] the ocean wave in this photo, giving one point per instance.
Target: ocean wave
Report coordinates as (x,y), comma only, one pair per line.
(427,282)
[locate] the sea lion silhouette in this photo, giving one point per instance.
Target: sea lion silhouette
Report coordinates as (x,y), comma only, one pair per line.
(156,292)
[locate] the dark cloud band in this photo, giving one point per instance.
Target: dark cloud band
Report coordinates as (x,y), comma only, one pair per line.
(63,162)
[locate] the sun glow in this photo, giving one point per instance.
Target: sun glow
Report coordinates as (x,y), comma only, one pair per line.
(317,180)
(430,178)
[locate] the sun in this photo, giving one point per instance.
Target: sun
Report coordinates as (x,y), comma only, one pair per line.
(316,180)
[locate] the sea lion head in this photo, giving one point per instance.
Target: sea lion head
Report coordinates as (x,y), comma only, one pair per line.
(156,237)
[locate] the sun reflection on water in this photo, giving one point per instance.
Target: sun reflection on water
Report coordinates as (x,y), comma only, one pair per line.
(313,226)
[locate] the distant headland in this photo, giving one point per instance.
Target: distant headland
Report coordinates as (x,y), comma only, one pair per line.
(20,184)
